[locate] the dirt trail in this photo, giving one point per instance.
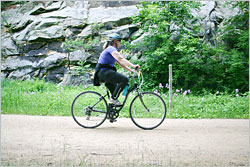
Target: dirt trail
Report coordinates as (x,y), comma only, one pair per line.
(59,141)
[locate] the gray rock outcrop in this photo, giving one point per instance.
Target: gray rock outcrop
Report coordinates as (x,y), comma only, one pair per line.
(37,36)
(34,33)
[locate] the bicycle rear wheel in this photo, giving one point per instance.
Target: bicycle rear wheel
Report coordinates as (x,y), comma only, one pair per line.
(89,109)
(147,110)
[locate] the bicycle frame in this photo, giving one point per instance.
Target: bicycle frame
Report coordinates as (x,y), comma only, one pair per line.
(132,88)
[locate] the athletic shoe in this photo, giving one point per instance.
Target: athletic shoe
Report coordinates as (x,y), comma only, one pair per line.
(115,102)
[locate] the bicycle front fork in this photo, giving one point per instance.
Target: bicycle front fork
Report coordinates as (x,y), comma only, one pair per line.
(140,97)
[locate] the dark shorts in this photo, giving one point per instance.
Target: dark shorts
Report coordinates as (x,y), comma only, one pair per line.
(115,81)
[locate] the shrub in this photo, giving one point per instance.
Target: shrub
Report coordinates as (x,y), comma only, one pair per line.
(196,65)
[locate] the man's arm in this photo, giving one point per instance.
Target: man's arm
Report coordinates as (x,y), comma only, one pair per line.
(125,67)
(122,61)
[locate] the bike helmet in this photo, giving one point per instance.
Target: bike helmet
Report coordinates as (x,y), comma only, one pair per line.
(114,36)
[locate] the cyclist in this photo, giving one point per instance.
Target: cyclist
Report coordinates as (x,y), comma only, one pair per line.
(105,69)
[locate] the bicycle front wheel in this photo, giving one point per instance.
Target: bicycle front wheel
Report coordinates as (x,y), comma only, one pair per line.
(89,109)
(147,110)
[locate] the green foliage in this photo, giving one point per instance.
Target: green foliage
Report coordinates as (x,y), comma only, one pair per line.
(235,33)
(35,98)
(41,98)
(235,40)
(161,20)
(73,45)
(80,69)
(37,86)
(196,65)
(95,28)
(86,43)
(210,106)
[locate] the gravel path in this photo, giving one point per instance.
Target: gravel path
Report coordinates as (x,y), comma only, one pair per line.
(59,141)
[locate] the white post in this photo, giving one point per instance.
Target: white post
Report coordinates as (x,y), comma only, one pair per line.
(170,85)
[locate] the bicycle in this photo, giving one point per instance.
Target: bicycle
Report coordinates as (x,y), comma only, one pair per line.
(147,109)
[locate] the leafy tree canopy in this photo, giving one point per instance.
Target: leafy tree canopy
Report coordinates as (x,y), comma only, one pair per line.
(172,37)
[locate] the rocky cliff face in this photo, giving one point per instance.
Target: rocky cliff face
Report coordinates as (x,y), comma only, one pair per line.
(37,36)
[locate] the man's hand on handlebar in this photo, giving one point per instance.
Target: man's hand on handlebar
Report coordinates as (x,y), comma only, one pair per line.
(135,70)
(137,67)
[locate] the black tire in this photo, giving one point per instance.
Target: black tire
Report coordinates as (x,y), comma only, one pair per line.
(89,118)
(151,119)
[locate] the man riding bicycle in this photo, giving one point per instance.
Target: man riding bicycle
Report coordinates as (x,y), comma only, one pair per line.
(105,70)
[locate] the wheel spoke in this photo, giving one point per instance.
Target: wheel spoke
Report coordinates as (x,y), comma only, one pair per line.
(148,110)
(89,109)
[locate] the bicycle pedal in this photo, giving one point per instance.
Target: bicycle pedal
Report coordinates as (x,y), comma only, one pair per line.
(112,121)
